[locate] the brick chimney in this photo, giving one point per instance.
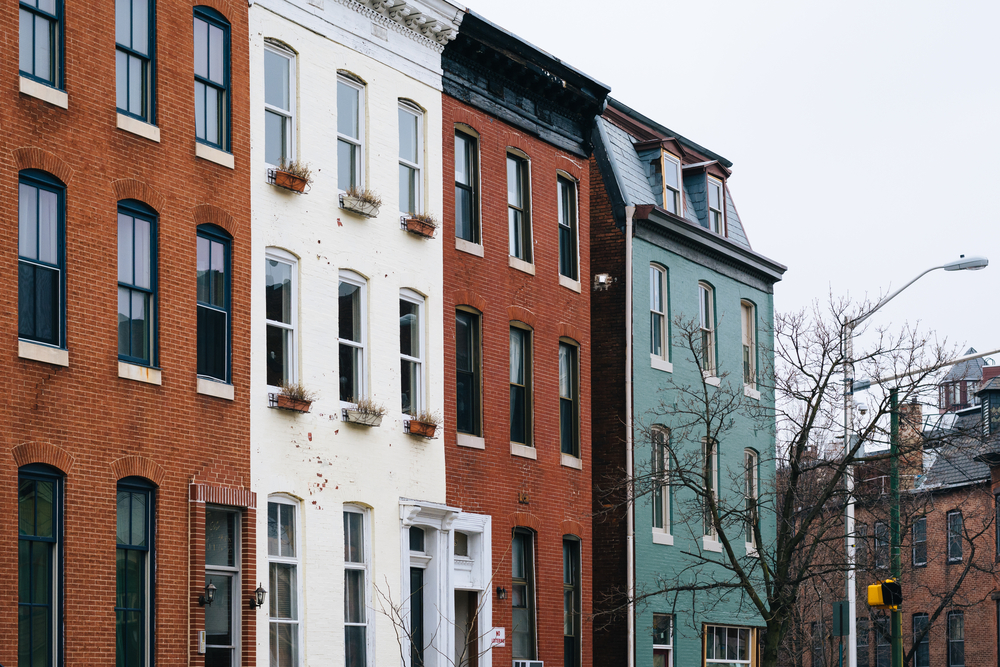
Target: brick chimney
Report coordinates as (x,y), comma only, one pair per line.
(911,462)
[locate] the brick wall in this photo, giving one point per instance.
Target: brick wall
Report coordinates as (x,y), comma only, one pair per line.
(83,419)
(490,481)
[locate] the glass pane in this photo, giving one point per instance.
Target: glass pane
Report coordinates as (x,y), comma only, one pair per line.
(124,248)
(513,182)
(517,356)
(354,545)
(45,509)
(48,226)
(140,26)
(140,325)
(656,334)
(348,98)
(350,373)
(27,221)
(284,645)
(220,538)
(41,573)
(200,48)
(670,173)
(219,615)
(355,646)
(124,514)
(138,520)
(416,539)
(212,115)
(218,275)
(278,355)
(213,357)
(283,591)
(25,41)
(142,253)
(136,86)
(347,176)
(40,637)
(272,530)
(43,49)
(565,371)
(216,44)
(204,264)
(713,195)
(26,506)
(517,415)
(274,138)
(409,328)
(276,70)
(124,321)
(133,578)
(408,136)
(464,228)
(463,341)
(407,189)
(354,596)
(278,303)
(200,90)
(463,171)
(516,236)
(287,531)
(517,556)
(349,315)
(409,386)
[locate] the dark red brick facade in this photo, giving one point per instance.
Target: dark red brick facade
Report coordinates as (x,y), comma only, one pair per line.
(550,498)
(83,419)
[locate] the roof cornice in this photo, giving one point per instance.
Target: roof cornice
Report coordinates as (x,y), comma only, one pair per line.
(436,21)
(646,129)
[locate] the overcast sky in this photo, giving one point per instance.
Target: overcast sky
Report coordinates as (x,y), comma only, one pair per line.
(864,135)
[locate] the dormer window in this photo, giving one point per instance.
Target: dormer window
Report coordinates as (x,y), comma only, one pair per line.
(671,184)
(716,201)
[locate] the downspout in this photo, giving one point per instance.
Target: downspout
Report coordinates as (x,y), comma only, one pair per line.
(629,441)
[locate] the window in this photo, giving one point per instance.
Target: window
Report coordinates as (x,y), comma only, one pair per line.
(881,544)
(356,558)
(748,318)
(956,639)
(706,322)
(222,570)
(411,148)
(659,320)
(134,567)
(661,479)
(922,656)
(569,400)
(520,386)
(40,41)
(351,314)
(41,258)
(211,77)
(279,105)
(716,202)
(523,594)
(572,602)
(920,541)
(711,476)
(283,559)
(136,282)
(518,207)
(567,228)
(818,654)
(416,601)
(750,483)
(955,537)
(280,314)
(883,642)
(663,640)
(134,41)
(728,646)
(213,303)
(467,371)
(861,545)
(39,560)
(466,187)
(863,651)
(671,184)
(350,129)
(411,352)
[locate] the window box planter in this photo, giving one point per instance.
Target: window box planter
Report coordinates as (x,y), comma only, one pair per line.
(358,205)
(283,402)
(362,418)
(418,227)
(287,180)
(423,429)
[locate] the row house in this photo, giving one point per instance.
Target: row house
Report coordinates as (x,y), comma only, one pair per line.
(127,377)
(682,313)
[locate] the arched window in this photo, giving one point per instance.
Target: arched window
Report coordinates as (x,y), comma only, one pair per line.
(134,565)
(279,104)
(283,565)
(468,372)
(660,479)
(39,564)
(137,304)
(353,336)
(569,399)
(706,322)
(467,226)
(357,596)
(659,318)
(519,205)
(411,352)
(523,594)
(214,304)
(411,160)
(350,132)
(211,78)
(748,320)
(281,308)
(751,470)
(520,384)
(568,231)
(41,259)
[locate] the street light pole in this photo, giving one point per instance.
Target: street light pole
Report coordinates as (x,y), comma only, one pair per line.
(895,562)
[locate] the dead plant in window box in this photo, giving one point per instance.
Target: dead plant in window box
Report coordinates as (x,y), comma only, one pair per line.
(421,224)
(294,397)
(291,175)
(366,411)
(361,201)
(424,424)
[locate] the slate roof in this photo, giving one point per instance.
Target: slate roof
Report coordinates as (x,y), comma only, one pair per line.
(636,189)
(956,464)
(966,370)
(993,384)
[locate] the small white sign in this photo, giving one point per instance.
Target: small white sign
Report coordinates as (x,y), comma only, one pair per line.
(498,638)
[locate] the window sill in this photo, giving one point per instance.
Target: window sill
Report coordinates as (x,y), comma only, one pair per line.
(53,96)
(138,127)
(750,392)
(570,461)
(469,247)
(710,379)
(521,265)
(471,441)
(523,451)
(139,373)
(660,364)
(569,283)
(44,353)
(662,537)
(214,155)
(210,387)
(751,550)
(709,543)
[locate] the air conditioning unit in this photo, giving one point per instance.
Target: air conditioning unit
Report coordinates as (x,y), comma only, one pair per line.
(529,663)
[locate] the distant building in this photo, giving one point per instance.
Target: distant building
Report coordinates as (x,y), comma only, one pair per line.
(958,389)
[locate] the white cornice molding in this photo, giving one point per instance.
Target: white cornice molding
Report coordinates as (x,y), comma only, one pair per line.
(427,22)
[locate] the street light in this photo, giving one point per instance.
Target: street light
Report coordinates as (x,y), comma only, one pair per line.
(963,263)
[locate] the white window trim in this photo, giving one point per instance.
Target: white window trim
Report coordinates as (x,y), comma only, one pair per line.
(289,113)
(462,244)
(722,206)
(366,567)
(575,229)
(285,257)
(727,662)
(526,205)
(706,322)
(670,158)
(748,321)
(662,361)
(712,447)
(282,499)
(359,167)
(419,402)
(662,534)
(350,277)
(670,646)
(751,546)
(418,165)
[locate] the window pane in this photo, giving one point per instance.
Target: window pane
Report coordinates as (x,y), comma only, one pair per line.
(216,44)
(25,42)
(513,182)
(409,374)
(349,315)
(354,596)
(140,26)
(356,647)
(203,265)
(278,355)
(276,70)
(124,321)
(347,176)
(565,371)
(200,48)
(43,49)
(27,221)
(48,226)
(200,91)
(213,334)
(407,189)
(138,535)
(272,529)
(283,591)
(219,615)
(408,136)
(287,534)
(278,303)
(463,172)
(348,98)
(136,86)
(464,227)
(517,352)
(140,325)
(350,373)
(212,115)
(409,329)
(220,538)
(354,546)
(274,138)
(142,253)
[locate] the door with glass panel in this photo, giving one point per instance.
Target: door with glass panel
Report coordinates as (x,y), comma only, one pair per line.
(222,570)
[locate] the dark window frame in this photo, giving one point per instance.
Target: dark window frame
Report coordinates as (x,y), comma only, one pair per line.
(56,53)
(519,246)
(46,473)
(213,18)
(41,180)
(148,62)
(572,585)
(921,656)
(473,374)
(954,538)
(217,235)
(527,541)
(472,188)
(525,387)
(137,209)
(863,653)
(569,406)
(918,533)
(662,499)
(568,224)
(955,645)
(880,538)
(148,607)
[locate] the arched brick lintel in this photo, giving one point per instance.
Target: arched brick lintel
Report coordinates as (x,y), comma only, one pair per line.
(471,299)
(138,466)
(572,528)
(526,520)
(224,7)
(521,315)
(129,188)
(570,331)
(36,158)
(207,214)
(43,452)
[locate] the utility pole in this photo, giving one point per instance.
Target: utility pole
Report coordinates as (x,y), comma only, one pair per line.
(895,562)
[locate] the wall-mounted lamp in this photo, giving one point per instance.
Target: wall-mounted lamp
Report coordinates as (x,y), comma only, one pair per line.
(209,597)
(257,601)
(501,593)
(602,281)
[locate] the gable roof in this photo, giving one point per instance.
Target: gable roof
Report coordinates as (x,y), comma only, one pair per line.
(958,459)
(971,369)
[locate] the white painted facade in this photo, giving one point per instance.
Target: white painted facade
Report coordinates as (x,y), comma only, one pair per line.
(315,464)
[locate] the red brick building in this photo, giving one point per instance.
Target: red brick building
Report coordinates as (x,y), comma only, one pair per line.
(517,330)
(125,196)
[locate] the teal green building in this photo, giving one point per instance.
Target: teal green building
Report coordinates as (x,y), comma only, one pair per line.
(682,315)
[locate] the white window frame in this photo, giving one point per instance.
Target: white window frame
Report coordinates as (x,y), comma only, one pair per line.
(418,199)
(707,325)
(751,462)
(710,450)
(288,114)
(666,647)
(748,320)
(660,361)
(564,179)
(719,228)
(529,368)
(671,159)
(661,479)
(526,213)
(418,402)
(281,499)
(347,80)
(366,567)
(731,662)
(352,278)
(473,247)
(278,255)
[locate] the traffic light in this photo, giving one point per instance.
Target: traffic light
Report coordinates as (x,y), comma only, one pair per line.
(886,594)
